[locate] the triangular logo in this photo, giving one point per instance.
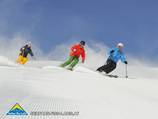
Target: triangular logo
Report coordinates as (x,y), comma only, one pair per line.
(17,110)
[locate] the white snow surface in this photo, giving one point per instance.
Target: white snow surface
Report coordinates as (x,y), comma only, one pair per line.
(43,86)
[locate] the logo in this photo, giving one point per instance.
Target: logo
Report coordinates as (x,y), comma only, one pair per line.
(17,110)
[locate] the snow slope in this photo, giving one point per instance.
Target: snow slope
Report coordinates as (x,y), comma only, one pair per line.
(42,86)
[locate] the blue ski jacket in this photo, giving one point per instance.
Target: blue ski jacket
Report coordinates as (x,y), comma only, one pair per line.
(115,55)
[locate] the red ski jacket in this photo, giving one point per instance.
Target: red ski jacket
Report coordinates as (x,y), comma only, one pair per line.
(77,50)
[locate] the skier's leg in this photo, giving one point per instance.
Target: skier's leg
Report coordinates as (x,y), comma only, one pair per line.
(112,66)
(25,59)
(100,69)
(19,59)
(104,67)
(67,62)
(74,63)
(22,60)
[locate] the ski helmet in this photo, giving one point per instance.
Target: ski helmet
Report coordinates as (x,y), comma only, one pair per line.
(29,44)
(83,43)
(120,45)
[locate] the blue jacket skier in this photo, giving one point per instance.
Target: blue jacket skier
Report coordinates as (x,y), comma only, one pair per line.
(115,55)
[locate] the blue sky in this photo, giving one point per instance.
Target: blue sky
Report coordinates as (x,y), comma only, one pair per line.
(52,22)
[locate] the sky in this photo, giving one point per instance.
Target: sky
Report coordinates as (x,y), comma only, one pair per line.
(53,22)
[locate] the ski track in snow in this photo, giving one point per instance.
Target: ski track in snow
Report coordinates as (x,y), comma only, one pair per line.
(43,86)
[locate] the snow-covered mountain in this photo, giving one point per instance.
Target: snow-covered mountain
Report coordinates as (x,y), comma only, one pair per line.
(43,86)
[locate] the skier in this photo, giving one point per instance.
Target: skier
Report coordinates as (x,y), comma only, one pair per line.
(24,51)
(77,50)
(115,55)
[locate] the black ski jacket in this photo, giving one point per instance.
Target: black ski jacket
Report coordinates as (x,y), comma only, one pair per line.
(25,50)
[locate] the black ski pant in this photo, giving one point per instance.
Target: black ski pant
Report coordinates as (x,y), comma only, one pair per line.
(108,67)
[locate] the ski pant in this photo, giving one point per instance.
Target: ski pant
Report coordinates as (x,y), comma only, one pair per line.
(108,67)
(72,61)
(22,60)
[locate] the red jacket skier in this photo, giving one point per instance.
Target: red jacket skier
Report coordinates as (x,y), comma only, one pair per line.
(77,50)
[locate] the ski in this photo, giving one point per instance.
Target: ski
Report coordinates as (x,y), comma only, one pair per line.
(112,76)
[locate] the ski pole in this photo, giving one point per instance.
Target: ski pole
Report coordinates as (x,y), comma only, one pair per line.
(126,71)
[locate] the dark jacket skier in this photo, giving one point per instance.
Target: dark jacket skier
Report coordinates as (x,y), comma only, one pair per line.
(24,51)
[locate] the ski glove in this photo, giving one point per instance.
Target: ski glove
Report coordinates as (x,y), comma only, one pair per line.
(126,62)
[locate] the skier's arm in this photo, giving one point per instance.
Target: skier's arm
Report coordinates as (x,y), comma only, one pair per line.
(83,56)
(123,59)
(22,50)
(31,53)
(111,51)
